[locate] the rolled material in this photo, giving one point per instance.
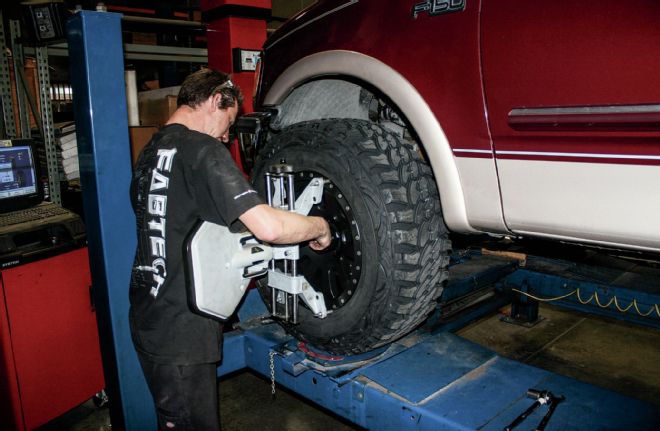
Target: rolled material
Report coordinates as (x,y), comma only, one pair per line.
(132,98)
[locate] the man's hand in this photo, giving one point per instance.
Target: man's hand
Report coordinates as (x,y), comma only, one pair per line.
(278,226)
(323,240)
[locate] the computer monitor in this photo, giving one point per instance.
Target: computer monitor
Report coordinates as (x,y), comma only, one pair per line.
(20,185)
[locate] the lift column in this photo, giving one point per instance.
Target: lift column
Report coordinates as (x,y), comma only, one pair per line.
(97,74)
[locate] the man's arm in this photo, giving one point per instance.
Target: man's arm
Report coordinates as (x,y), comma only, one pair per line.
(285,227)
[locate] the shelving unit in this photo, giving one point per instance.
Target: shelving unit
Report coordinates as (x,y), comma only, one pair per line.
(25,102)
(44,117)
(134,51)
(9,127)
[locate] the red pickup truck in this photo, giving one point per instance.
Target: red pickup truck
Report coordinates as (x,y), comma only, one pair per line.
(507,117)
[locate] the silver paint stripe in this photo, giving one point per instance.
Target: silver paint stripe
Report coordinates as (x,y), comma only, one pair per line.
(586,110)
(555,154)
(466,150)
(347,4)
(584,155)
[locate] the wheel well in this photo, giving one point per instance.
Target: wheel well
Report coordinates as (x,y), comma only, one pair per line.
(344,72)
(343,98)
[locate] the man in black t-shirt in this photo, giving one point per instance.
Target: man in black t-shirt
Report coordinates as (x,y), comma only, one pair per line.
(184,175)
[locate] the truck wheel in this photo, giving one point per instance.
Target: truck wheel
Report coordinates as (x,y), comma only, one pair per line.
(388,260)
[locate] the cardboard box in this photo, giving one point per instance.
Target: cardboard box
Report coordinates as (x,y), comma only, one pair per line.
(30,71)
(153,84)
(144,38)
(139,136)
(156,106)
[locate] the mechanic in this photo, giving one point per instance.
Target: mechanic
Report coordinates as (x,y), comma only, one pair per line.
(183,175)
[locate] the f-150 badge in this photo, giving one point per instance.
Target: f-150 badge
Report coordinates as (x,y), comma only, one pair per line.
(437,7)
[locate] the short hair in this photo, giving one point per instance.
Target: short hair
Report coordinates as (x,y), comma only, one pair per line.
(200,85)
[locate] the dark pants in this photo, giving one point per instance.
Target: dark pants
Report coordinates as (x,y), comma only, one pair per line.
(186,396)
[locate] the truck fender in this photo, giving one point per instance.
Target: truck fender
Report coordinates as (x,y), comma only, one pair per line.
(393,85)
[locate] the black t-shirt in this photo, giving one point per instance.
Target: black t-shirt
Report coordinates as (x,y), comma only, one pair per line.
(181,177)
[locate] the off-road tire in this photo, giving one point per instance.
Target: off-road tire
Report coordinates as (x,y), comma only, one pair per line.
(387,191)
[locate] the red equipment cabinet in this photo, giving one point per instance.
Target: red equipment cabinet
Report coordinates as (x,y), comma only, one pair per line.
(50,358)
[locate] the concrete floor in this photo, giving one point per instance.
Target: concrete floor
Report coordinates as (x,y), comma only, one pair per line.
(603,352)
(246,403)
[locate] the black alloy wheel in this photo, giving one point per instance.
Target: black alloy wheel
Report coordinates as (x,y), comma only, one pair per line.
(387,263)
(335,272)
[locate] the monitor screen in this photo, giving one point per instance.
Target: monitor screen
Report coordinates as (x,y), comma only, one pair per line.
(19,182)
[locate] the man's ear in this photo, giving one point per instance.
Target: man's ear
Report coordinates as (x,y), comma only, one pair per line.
(215,101)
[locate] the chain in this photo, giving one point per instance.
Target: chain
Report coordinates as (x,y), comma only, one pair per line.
(272,373)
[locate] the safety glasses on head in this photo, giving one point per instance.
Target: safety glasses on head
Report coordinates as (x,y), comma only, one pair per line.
(227,84)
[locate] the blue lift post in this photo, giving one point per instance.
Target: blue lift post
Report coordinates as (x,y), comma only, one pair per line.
(97,75)
(426,381)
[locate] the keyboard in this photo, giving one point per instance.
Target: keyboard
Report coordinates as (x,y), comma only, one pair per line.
(31,214)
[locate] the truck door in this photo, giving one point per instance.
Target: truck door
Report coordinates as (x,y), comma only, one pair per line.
(573,99)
